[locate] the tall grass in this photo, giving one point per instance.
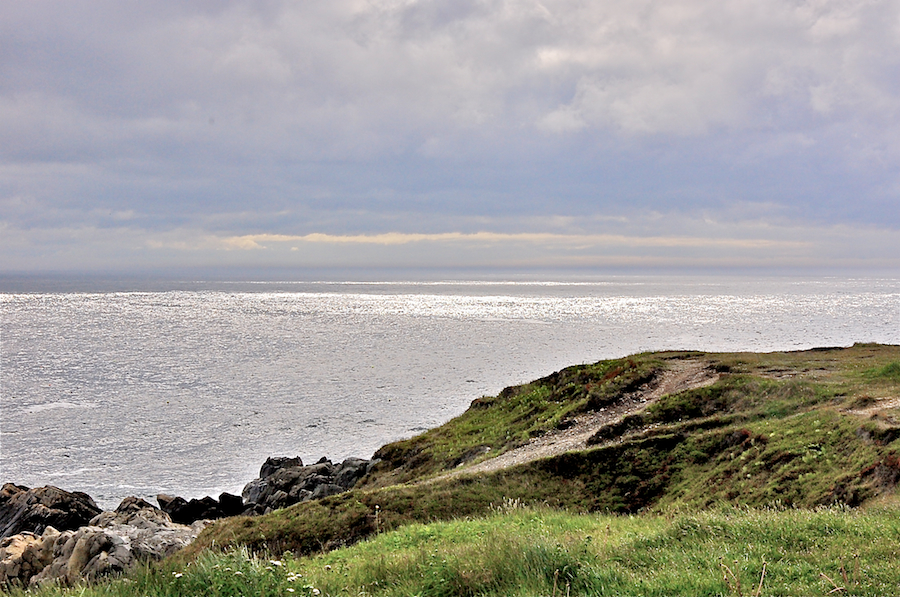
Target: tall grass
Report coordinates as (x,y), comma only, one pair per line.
(542,552)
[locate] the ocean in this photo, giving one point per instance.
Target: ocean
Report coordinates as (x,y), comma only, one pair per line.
(185,388)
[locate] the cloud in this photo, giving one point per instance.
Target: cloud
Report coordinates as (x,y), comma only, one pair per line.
(257,241)
(701,242)
(370,123)
(394,71)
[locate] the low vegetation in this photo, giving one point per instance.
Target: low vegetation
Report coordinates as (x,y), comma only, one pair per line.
(525,551)
(778,478)
(494,424)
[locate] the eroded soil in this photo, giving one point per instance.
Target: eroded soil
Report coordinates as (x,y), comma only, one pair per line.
(680,376)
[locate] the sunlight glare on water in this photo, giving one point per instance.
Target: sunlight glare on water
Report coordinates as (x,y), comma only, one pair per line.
(188,391)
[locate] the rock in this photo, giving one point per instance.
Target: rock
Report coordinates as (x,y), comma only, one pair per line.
(254,491)
(285,481)
(325,490)
(279,499)
(208,508)
(33,510)
(112,543)
(15,566)
(231,505)
(273,463)
(24,555)
(135,512)
(352,470)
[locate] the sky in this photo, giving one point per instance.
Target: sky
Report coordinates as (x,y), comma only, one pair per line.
(560,134)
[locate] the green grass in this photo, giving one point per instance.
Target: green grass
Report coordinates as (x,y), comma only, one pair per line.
(891,372)
(773,432)
(493,425)
(543,552)
(690,496)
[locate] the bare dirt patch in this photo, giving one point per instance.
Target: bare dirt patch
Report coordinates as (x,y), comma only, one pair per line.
(681,375)
(877,407)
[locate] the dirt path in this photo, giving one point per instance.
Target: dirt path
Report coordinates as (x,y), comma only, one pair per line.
(681,375)
(877,407)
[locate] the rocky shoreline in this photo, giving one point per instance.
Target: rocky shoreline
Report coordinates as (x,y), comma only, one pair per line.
(51,535)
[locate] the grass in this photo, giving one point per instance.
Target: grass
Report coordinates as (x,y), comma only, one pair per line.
(775,431)
(493,425)
(706,491)
(518,551)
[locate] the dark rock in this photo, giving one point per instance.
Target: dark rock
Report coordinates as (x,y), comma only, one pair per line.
(314,481)
(273,463)
(325,469)
(279,499)
(188,512)
(171,504)
(133,505)
(255,491)
(325,490)
(33,510)
(254,509)
(230,505)
(349,475)
(287,477)
(288,482)
(298,494)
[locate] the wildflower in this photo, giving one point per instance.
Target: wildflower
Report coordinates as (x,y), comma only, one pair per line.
(290,589)
(276,562)
(177,574)
(316,591)
(238,573)
(327,567)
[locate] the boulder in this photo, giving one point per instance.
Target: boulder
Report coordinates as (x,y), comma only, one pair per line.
(24,555)
(351,471)
(111,543)
(231,505)
(285,481)
(33,510)
(326,489)
(254,492)
(187,512)
(273,463)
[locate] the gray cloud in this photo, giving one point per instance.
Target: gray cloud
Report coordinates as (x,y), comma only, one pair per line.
(340,117)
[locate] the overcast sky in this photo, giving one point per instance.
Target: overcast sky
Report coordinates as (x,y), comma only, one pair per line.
(461,133)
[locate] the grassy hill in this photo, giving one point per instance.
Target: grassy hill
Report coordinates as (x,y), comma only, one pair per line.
(728,478)
(798,429)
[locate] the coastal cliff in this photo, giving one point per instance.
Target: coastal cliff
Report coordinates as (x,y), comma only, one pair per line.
(655,433)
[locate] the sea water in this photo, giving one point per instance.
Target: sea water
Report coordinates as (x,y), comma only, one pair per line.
(187,390)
